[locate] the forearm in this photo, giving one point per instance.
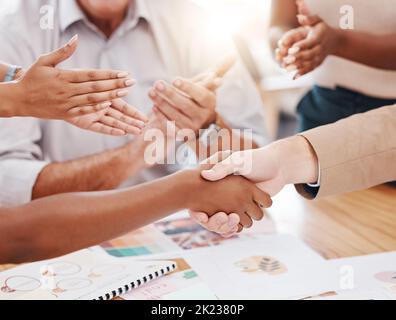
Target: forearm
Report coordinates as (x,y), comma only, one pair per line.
(104,171)
(283,19)
(369,49)
(61,224)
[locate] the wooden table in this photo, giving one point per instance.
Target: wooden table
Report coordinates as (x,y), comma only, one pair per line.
(349,225)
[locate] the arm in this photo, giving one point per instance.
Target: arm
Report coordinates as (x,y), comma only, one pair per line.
(369,49)
(283,19)
(85,98)
(353,154)
(307,47)
(61,224)
(104,171)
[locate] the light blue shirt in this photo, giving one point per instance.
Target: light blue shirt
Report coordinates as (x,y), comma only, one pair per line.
(157,40)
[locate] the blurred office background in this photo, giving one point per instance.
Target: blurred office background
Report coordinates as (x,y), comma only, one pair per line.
(250,20)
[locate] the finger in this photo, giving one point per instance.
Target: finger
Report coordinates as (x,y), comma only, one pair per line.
(308,20)
(105,129)
(293,36)
(54,58)
(84,110)
(307,44)
(200,94)
(231,234)
(307,55)
(255,212)
(225,66)
(80,76)
(216,221)
(262,199)
(171,113)
(101,86)
(246,221)
(159,115)
(129,110)
(131,122)
(230,225)
(219,171)
(95,98)
(200,217)
(304,70)
(176,98)
(117,124)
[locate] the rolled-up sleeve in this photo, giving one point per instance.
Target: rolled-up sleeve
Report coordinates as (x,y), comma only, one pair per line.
(21,160)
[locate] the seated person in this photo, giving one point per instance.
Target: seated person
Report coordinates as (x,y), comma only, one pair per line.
(153,40)
(60,224)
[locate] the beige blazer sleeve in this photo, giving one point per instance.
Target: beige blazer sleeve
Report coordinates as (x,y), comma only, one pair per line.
(355,153)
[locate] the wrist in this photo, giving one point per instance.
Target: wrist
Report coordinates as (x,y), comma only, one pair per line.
(339,38)
(297,160)
(184,187)
(11,106)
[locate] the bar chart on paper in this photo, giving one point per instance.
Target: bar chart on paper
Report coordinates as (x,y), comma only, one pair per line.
(145,241)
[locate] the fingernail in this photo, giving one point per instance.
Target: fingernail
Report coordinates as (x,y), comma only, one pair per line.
(293,50)
(289,59)
(152,94)
(292,67)
(160,86)
(122,93)
(105,105)
(177,83)
(301,18)
(297,76)
(72,41)
(130,82)
(140,124)
(122,75)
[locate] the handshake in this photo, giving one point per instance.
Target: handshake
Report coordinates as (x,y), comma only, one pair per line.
(251,178)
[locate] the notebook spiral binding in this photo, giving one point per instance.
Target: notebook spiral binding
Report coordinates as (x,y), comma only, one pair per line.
(136,284)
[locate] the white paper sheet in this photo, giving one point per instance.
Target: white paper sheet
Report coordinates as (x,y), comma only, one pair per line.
(366,273)
(273,267)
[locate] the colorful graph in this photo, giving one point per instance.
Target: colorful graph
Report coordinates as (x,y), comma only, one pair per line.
(142,242)
(171,236)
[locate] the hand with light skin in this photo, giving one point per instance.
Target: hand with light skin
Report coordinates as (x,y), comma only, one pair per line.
(89,99)
(289,161)
(191,103)
(305,48)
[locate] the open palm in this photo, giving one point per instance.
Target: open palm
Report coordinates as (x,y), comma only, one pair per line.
(118,120)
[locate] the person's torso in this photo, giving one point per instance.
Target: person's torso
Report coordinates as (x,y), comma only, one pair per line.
(376,17)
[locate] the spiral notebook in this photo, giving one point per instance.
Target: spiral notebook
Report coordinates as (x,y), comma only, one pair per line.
(84,275)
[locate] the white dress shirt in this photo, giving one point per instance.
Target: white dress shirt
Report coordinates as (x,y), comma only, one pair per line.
(157,40)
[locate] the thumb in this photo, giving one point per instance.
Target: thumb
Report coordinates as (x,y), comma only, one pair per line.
(219,171)
(56,57)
